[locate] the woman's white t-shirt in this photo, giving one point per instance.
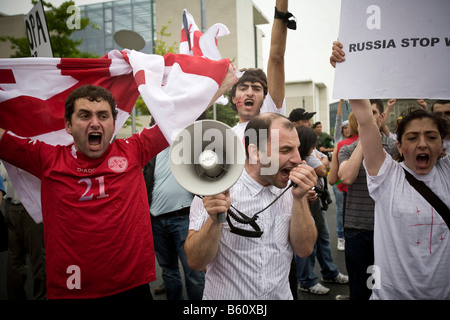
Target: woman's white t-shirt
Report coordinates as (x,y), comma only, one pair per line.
(411,240)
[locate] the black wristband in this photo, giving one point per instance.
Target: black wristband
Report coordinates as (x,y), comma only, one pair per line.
(286,17)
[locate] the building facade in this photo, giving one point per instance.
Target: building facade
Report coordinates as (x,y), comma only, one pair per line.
(243,45)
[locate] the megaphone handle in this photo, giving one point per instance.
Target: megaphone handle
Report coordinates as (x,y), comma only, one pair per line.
(221,217)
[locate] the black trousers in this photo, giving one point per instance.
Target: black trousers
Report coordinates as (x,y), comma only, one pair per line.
(138,293)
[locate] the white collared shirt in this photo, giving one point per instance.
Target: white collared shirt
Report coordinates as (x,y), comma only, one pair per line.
(250,268)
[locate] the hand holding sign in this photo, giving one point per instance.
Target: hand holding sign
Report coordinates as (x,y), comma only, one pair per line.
(397,48)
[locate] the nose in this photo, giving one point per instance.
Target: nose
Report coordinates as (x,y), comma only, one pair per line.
(95,122)
(422,142)
(249,92)
(296,158)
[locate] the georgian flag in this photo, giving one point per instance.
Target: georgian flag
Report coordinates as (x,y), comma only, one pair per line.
(193,42)
(176,89)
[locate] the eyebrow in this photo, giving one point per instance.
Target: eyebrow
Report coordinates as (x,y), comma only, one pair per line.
(98,113)
(418,132)
(253,85)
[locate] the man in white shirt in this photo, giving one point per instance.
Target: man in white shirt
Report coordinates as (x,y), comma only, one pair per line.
(252,260)
(257,93)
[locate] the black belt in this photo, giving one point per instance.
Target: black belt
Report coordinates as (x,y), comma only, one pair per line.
(178,213)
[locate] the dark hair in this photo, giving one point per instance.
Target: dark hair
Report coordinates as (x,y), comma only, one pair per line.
(379,104)
(316,124)
(259,127)
(439,102)
(252,75)
(92,93)
(419,113)
(308,138)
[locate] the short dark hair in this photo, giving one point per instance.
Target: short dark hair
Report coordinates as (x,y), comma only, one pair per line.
(316,124)
(92,93)
(379,104)
(252,75)
(260,126)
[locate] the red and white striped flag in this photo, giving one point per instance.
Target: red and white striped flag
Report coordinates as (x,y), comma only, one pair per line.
(175,88)
(194,42)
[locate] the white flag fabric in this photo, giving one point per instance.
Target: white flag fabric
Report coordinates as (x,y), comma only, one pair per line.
(195,43)
(176,88)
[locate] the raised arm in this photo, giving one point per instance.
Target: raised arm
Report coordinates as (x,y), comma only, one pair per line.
(302,232)
(369,135)
(333,177)
(338,123)
(348,170)
(227,83)
(275,65)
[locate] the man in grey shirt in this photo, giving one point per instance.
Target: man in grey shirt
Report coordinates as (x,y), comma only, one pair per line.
(359,210)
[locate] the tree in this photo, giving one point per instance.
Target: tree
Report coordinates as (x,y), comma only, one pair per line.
(224,114)
(160,45)
(62,45)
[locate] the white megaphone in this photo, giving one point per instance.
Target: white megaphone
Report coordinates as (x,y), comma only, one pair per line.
(207,158)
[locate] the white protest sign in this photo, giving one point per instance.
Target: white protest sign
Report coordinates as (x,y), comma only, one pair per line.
(394,49)
(37,32)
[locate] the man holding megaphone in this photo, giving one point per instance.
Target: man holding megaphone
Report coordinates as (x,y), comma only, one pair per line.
(251,258)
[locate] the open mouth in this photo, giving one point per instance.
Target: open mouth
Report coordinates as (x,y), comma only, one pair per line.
(285,173)
(95,140)
(249,103)
(422,160)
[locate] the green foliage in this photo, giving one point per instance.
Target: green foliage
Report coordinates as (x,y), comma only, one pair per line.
(160,47)
(224,113)
(21,46)
(62,45)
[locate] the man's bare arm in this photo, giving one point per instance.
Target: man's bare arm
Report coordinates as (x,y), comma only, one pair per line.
(275,65)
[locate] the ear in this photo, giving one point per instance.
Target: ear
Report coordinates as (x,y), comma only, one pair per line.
(68,127)
(399,148)
(253,153)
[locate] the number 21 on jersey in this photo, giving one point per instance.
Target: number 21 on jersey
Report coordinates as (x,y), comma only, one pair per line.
(88,194)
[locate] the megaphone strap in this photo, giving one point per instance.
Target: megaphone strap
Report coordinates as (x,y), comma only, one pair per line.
(248,220)
(257,233)
(244,219)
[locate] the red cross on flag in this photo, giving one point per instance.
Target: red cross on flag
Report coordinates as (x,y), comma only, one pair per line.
(176,89)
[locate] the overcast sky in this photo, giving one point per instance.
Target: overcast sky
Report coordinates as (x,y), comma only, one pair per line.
(308,47)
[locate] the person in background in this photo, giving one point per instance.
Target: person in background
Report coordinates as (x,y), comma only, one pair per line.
(255,92)
(441,108)
(324,140)
(300,117)
(307,280)
(3,226)
(25,239)
(342,131)
(341,128)
(359,209)
(169,209)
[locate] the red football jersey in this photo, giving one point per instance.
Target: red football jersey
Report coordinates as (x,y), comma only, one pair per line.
(97,231)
